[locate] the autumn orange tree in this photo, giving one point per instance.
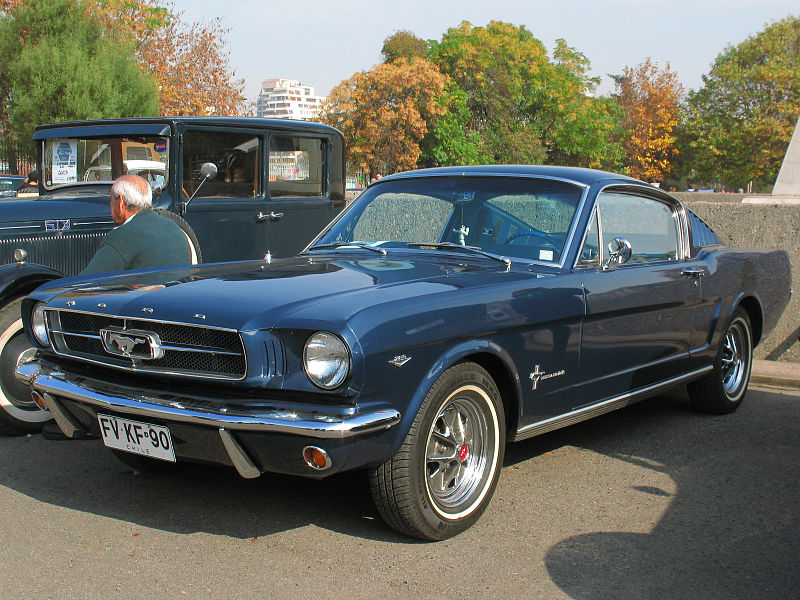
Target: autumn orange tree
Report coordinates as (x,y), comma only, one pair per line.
(385,113)
(189,61)
(651,99)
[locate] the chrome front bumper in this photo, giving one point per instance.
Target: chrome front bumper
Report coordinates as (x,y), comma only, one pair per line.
(53,384)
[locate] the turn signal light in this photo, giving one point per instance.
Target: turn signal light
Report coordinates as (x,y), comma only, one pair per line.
(316,458)
(39,400)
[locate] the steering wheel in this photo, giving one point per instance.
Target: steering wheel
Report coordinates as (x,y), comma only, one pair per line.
(535,233)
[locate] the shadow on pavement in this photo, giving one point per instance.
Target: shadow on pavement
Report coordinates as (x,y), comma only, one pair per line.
(84,476)
(732,529)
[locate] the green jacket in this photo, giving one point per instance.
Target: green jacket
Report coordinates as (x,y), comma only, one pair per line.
(146,240)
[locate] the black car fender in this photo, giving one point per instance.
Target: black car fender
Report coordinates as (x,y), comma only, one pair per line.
(21,279)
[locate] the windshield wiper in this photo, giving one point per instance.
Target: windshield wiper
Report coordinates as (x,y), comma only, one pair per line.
(361,245)
(451,246)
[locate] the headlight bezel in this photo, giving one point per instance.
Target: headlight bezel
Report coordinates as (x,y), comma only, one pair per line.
(338,360)
(39,324)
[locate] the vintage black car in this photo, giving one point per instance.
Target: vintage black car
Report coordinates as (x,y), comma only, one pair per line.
(239,188)
(10,184)
(444,313)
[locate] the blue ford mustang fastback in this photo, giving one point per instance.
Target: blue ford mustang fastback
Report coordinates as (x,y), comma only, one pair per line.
(444,313)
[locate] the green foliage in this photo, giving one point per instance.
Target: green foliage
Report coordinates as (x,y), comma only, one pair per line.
(403,44)
(449,141)
(59,63)
(740,123)
(524,107)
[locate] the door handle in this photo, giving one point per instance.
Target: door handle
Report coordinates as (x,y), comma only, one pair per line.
(272,216)
(695,272)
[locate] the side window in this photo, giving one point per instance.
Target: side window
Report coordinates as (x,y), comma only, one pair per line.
(236,158)
(590,253)
(650,226)
(296,166)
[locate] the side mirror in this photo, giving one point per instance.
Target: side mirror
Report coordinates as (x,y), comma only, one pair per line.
(619,252)
(208,170)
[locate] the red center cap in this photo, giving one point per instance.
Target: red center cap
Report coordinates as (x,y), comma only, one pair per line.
(463,452)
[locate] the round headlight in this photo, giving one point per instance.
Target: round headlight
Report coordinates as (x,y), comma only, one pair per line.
(38,326)
(326,359)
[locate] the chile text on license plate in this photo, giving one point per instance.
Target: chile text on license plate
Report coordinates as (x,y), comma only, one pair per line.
(146,439)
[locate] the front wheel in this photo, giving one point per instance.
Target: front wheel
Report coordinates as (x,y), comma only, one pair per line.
(444,474)
(721,391)
(18,412)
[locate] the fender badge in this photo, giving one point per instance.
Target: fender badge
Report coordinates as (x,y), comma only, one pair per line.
(537,375)
(399,361)
(57,225)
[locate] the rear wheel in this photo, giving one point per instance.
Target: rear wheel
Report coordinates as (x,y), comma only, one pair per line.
(442,478)
(191,238)
(722,390)
(18,412)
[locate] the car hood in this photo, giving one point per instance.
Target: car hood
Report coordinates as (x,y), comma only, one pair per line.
(65,205)
(258,295)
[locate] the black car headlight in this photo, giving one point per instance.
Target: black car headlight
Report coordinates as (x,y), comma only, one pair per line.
(38,326)
(326,359)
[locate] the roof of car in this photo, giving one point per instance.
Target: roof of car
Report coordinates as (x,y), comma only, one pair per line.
(574,174)
(205,121)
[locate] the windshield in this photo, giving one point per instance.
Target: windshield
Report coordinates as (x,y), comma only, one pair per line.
(11,184)
(82,161)
(514,217)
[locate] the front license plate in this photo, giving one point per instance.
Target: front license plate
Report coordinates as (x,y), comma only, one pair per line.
(136,437)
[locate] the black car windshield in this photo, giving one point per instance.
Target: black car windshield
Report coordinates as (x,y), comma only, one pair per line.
(529,218)
(82,161)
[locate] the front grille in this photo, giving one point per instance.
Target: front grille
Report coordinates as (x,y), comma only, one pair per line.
(67,253)
(189,350)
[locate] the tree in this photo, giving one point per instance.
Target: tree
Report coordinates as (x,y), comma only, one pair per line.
(650,98)
(524,107)
(59,63)
(740,122)
(385,113)
(403,44)
(189,61)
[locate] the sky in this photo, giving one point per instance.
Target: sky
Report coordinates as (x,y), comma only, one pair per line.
(322,42)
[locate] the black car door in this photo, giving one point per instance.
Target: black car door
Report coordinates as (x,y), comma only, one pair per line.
(224,209)
(299,201)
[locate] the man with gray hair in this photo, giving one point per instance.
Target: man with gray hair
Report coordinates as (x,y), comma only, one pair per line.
(144,238)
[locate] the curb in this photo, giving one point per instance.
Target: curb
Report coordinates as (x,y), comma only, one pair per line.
(776,373)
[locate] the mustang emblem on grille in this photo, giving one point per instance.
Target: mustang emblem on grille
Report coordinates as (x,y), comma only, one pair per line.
(132,343)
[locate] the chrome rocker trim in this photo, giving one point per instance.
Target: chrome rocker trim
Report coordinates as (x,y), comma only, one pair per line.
(53,383)
(601,408)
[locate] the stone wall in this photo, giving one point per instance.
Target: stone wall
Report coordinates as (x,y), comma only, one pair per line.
(759,226)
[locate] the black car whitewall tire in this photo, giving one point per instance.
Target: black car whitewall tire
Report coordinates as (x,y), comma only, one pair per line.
(442,478)
(18,413)
(723,390)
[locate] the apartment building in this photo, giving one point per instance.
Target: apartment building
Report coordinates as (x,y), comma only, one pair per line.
(282,98)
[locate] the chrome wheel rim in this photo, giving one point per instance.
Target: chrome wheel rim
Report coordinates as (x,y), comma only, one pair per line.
(735,358)
(461,452)
(15,397)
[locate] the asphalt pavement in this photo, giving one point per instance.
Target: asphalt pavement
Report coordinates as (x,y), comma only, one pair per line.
(653,501)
